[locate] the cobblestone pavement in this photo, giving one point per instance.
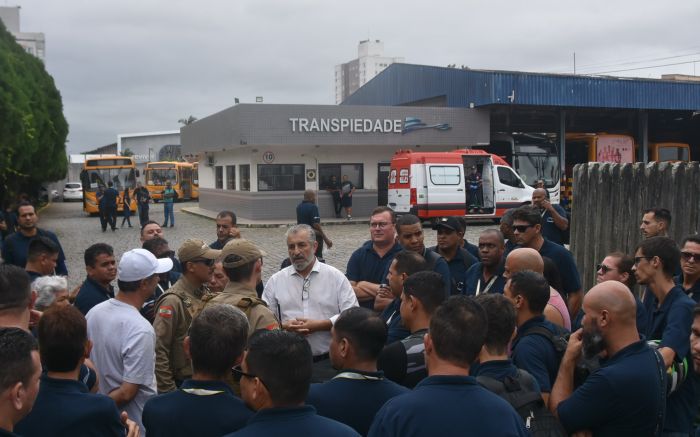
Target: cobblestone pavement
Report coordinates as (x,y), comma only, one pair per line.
(76,231)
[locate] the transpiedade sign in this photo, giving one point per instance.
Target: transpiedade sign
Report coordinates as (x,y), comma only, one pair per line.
(362,125)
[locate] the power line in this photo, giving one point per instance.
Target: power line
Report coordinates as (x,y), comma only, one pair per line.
(643,68)
(624,61)
(619,64)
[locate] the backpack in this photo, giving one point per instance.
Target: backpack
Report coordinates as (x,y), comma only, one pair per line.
(520,393)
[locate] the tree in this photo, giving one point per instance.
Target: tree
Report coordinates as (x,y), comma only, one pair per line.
(127,152)
(189,120)
(33,129)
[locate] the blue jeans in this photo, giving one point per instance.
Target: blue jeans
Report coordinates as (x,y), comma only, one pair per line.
(168,211)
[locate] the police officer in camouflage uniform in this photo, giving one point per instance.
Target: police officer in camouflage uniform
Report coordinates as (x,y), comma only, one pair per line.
(175,310)
(242,262)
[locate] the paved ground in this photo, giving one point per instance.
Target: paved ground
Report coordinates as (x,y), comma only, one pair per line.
(77,231)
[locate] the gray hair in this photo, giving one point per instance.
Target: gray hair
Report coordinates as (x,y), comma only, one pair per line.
(46,288)
(299,228)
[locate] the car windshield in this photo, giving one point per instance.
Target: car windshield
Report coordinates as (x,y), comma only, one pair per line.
(73,186)
(533,162)
(121,178)
(160,176)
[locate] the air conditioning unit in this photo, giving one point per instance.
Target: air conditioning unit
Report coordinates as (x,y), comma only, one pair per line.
(210,161)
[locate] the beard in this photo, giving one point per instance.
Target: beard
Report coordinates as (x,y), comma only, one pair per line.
(302,263)
(593,342)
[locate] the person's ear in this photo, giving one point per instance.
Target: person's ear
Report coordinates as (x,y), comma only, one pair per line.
(428,344)
(186,347)
(17,395)
(344,347)
(513,334)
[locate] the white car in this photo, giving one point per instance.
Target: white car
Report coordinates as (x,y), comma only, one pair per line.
(72,191)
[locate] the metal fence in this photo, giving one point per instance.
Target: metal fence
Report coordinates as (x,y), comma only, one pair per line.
(610,199)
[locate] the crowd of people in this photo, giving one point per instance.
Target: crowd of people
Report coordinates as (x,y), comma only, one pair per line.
(491,338)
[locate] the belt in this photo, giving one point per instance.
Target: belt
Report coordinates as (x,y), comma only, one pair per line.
(321,357)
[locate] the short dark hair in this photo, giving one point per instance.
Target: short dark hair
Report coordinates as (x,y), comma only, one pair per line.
(62,334)
(551,274)
(383,209)
(150,222)
(501,321)
(97,249)
(463,222)
(217,338)
(110,183)
(41,246)
(227,213)
(660,215)
(16,346)
(15,289)
(406,220)
(533,287)
(364,329)
(410,262)
(154,244)
(507,217)
(283,361)
(665,249)
(24,203)
(458,330)
(240,273)
(529,214)
(624,265)
(428,287)
(693,238)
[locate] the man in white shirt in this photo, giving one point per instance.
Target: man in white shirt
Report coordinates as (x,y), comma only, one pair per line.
(308,296)
(123,340)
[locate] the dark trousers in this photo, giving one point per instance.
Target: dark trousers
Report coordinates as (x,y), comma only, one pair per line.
(127,215)
(143,213)
(337,206)
(103,218)
(111,217)
(319,249)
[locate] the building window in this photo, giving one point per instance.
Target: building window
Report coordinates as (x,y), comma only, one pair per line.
(245,177)
(355,173)
(230,177)
(219,177)
(281,177)
(444,175)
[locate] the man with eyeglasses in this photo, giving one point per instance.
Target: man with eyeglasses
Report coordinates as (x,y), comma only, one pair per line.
(175,310)
(487,276)
(274,376)
(669,319)
(689,278)
(527,228)
(450,235)
(308,295)
(368,265)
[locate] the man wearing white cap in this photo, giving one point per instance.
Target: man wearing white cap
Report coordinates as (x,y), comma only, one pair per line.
(123,341)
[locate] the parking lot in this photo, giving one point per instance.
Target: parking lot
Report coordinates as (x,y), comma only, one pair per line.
(77,231)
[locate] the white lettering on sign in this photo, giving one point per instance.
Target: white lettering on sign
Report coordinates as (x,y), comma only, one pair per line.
(353,125)
(268,157)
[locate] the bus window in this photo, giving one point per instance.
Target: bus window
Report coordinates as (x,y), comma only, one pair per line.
(673,153)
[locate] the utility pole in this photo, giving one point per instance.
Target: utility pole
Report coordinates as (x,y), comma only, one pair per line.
(574,62)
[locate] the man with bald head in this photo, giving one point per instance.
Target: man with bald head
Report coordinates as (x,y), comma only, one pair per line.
(554,221)
(529,259)
(625,395)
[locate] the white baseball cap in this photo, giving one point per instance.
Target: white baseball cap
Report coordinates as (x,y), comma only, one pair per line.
(138,264)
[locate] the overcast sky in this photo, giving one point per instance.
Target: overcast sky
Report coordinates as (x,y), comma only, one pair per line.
(140,65)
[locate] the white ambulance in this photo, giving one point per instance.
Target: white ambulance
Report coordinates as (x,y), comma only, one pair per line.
(464,182)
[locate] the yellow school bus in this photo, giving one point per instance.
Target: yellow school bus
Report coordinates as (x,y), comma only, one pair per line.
(120,170)
(195,180)
(669,152)
(178,173)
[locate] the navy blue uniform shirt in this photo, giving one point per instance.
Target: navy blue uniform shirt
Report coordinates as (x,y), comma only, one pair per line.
(307,213)
(16,247)
(447,406)
(110,197)
(671,323)
(550,231)
(365,264)
(392,317)
(621,398)
(693,292)
(197,408)
(458,266)
(91,293)
(497,369)
(438,264)
(536,354)
(570,278)
(64,407)
(298,421)
(337,399)
(471,248)
(475,276)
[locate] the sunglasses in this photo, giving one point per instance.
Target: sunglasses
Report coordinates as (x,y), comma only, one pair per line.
(207,262)
(521,228)
(168,254)
(605,269)
(238,373)
(687,256)
(638,259)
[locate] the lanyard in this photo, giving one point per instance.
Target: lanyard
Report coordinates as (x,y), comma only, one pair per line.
(161,288)
(488,285)
(201,391)
(357,376)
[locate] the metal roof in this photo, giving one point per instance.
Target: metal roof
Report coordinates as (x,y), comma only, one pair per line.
(402,84)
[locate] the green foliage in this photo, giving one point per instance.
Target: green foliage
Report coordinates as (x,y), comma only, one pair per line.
(33,129)
(127,152)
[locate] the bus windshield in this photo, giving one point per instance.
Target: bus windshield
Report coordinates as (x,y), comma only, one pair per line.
(533,162)
(120,177)
(159,176)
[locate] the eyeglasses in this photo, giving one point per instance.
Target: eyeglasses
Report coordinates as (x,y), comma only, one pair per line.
(521,228)
(604,268)
(638,259)
(238,373)
(207,262)
(379,225)
(687,256)
(305,288)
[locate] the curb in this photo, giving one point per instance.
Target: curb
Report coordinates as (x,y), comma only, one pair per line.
(283,223)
